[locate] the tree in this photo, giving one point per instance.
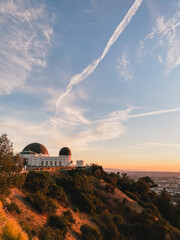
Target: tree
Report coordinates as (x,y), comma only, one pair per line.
(125,183)
(97,171)
(142,187)
(149,181)
(9,162)
(166,207)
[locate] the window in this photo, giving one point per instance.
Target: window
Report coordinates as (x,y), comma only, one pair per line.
(42,163)
(51,163)
(46,163)
(59,163)
(55,163)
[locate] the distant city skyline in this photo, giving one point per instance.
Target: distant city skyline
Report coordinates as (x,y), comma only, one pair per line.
(100,77)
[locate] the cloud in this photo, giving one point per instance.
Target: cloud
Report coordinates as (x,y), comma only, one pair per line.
(94,4)
(71,127)
(166,33)
(90,69)
(160,59)
(140,51)
(93,7)
(107,128)
(155,113)
(77,131)
(160,144)
(123,67)
(89,11)
(25,41)
(81,132)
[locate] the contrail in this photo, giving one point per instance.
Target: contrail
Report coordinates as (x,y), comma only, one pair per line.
(154,113)
(90,69)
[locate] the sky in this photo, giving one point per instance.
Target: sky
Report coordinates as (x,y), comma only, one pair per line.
(98,76)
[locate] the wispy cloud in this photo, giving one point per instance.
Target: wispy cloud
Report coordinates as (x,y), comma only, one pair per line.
(94,4)
(161,144)
(110,127)
(107,128)
(72,127)
(166,33)
(25,40)
(154,113)
(140,51)
(90,69)
(89,11)
(123,68)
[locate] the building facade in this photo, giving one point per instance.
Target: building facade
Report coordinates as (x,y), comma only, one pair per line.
(36,155)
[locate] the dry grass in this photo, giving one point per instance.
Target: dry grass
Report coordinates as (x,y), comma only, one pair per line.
(9,228)
(29,215)
(35,220)
(120,196)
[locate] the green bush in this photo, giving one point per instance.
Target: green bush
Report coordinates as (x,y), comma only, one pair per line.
(42,203)
(90,233)
(38,181)
(57,193)
(17,180)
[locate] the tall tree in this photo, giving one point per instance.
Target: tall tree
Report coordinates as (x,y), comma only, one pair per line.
(9,162)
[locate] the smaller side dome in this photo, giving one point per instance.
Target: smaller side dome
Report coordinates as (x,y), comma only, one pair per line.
(65,151)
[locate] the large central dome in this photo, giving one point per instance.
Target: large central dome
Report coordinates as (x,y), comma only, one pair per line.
(36,148)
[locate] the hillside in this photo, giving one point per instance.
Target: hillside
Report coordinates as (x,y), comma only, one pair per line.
(83,204)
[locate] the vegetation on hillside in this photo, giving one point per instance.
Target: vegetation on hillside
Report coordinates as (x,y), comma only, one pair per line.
(102,197)
(9,228)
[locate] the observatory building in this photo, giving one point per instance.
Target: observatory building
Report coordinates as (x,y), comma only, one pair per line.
(36,155)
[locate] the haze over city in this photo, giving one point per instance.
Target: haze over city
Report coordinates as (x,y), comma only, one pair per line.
(98,76)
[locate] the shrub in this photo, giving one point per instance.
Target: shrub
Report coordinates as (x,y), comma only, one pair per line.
(42,203)
(142,187)
(17,180)
(58,222)
(49,233)
(38,181)
(57,193)
(97,171)
(88,202)
(12,207)
(108,228)
(149,181)
(90,233)
(4,185)
(118,220)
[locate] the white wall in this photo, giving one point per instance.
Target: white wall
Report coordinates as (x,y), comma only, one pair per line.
(46,161)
